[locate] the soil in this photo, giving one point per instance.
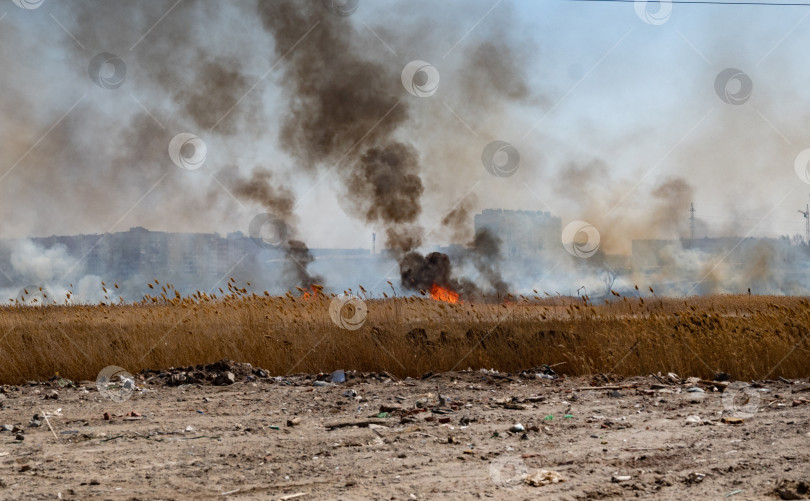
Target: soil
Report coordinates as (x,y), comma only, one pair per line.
(446,436)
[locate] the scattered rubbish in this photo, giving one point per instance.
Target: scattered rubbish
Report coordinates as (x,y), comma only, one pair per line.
(361,424)
(225,378)
(517,428)
(543,477)
(350,393)
(200,412)
(49,426)
(287,497)
(512,406)
(734,492)
(732,420)
(339,376)
(693,419)
(321,383)
(568,416)
(615,394)
(695,389)
(274,427)
(69,432)
(190,428)
(694,478)
(620,478)
(294,421)
(548,418)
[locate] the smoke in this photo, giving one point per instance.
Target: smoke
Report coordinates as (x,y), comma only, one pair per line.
(347,117)
(279,202)
(421,273)
(316,99)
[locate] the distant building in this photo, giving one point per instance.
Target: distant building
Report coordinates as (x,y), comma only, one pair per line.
(525,234)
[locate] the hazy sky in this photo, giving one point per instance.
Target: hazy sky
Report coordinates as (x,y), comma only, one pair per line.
(617,120)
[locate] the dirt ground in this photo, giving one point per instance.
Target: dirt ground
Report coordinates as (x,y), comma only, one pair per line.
(446,436)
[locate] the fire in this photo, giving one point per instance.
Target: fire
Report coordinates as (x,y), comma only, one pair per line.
(316,292)
(441,294)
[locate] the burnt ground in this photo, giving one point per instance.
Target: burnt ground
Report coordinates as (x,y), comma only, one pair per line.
(178,436)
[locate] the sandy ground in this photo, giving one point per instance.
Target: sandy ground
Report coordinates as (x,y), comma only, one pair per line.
(445,437)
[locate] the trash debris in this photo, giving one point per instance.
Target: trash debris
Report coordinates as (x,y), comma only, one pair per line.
(694,478)
(350,393)
(693,419)
(339,376)
(294,421)
(543,477)
(548,418)
(225,378)
(517,428)
(732,420)
(321,383)
(620,478)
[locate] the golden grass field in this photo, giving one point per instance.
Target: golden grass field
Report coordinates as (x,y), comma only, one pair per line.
(750,337)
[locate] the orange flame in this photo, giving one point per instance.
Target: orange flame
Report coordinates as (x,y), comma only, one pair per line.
(441,294)
(316,292)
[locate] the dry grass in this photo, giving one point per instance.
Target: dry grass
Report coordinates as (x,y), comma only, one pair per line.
(750,337)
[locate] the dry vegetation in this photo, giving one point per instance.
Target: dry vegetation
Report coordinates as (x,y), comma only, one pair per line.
(750,337)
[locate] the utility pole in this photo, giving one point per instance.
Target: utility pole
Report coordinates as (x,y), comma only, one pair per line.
(692,221)
(806,214)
